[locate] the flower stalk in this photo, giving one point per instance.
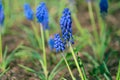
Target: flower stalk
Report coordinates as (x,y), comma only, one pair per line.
(60,47)
(76,62)
(2,16)
(70,71)
(44,53)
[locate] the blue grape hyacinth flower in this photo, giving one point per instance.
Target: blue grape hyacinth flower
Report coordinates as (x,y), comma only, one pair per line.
(58,44)
(29,14)
(66,26)
(2,16)
(103,6)
(51,43)
(42,15)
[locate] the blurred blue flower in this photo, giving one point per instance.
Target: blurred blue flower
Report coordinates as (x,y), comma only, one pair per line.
(42,15)
(51,43)
(103,6)
(88,0)
(58,44)
(66,26)
(29,14)
(2,16)
(0,1)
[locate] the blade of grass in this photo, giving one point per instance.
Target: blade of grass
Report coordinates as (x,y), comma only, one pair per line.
(92,20)
(107,74)
(82,67)
(36,34)
(5,52)
(77,23)
(27,68)
(91,58)
(1,74)
(54,69)
(118,73)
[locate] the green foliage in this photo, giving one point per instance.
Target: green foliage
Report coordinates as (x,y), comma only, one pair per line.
(7,59)
(93,45)
(40,73)
(30,36)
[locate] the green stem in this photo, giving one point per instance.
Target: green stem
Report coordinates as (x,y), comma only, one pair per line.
(103,40)
(74,57)
(83,70)
(44,53)
(70,71)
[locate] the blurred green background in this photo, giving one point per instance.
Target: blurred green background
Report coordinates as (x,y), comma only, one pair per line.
(17,29)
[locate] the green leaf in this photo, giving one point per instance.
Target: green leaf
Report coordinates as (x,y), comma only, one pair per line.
(7,59)
(30,36)
(60,66)
(27,68)
(5,53)
(91,58)
(1,74)
(55,70)
(118,73)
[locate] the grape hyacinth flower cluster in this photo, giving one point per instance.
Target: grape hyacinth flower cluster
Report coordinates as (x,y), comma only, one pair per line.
(29,14)
(66,26)
(42,15)
(66,29)
(58,44)
(103,6)
(2,16)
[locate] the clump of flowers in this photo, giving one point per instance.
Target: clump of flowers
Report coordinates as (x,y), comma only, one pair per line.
(2,16)
(66,26)
(42,15)
(29,14)
(58,44)
(103,6)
